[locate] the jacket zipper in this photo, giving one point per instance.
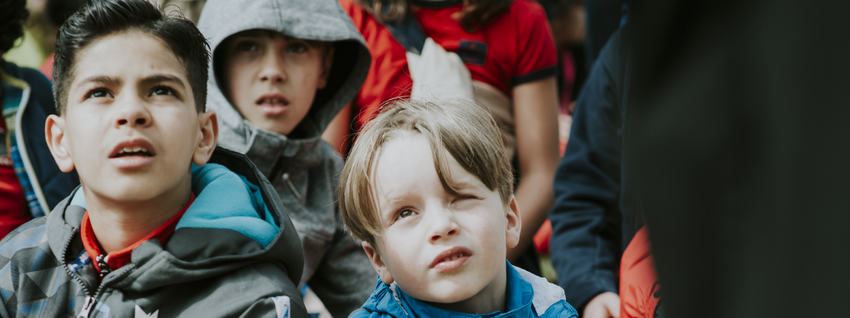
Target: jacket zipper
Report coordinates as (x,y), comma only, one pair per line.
(291,186)
(103,263)
(91,300)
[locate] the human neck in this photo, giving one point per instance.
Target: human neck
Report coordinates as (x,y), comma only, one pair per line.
(492,298)
(118,225)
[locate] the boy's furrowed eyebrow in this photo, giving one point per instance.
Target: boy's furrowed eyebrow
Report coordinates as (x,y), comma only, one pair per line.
(101,79)
(159,78)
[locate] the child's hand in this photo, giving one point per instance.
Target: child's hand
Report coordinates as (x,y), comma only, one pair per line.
(604,305)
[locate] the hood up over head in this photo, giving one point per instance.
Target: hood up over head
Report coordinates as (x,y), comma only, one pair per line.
(317,20)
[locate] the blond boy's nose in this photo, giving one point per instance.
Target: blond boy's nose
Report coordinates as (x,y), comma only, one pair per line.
(444,226)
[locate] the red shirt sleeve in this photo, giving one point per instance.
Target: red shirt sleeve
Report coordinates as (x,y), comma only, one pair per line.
(13,202)
(536,49)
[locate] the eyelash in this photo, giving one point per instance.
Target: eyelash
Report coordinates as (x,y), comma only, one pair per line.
(91,93)
(464,196)
(170,90)
(247,46)
(400,212)
(302,47)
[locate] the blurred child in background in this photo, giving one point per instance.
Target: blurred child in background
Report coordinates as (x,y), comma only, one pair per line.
(507,47)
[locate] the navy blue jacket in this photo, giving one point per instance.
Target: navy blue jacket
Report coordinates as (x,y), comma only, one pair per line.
(54,184)
(589,231)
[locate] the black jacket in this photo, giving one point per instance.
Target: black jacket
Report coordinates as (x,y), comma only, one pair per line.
(589,230)
(54,185)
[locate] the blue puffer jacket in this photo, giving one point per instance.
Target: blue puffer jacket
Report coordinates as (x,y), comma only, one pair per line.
(528,296)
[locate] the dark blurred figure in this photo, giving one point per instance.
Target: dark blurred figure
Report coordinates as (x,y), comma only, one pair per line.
(30,182)
(738,136)
(603,18)
(55,13)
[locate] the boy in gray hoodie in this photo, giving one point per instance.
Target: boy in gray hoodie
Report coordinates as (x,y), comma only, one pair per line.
(281,70)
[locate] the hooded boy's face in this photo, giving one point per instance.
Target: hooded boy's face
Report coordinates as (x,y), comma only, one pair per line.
(130,127)
(272,78)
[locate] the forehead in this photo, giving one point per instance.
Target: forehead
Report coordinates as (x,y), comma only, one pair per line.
(128,57)
(405,165)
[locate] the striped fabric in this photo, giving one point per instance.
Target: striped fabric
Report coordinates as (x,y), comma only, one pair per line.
(13,95)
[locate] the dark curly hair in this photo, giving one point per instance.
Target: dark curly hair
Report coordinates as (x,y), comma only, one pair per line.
(13,14)
(100,18)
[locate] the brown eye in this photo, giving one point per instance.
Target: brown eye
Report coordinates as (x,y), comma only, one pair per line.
(247,47)
(98,93)
(163,90)
(296,47)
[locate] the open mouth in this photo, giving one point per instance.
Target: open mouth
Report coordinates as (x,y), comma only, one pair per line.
(132,151)
(454,257)
(272,102)
(451,259)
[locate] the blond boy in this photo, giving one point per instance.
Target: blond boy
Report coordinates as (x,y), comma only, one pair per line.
(428,190)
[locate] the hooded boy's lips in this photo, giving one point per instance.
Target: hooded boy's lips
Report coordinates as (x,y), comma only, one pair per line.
(451,259)
(132,153)
(272,104)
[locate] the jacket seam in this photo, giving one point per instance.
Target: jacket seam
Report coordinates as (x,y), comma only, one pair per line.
(19,136)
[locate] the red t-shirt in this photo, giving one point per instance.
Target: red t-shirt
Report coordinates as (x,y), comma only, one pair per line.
(13,202)
(515,48)
(119,258)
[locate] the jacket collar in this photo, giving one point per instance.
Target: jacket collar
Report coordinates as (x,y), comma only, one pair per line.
(392,300)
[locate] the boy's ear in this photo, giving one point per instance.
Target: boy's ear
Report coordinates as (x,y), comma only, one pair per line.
(377,263)
(208,122)
(54,132)
(327,63)
(514,223)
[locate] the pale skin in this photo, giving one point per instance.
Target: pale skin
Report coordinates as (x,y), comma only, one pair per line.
(536,127)
(129,91)
(604,305)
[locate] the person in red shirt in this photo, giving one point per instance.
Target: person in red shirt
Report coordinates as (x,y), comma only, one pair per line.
(509,51)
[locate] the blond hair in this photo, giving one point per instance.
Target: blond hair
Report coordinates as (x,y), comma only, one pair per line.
(465,130)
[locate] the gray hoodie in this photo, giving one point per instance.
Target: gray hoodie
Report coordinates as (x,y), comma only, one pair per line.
(303,169)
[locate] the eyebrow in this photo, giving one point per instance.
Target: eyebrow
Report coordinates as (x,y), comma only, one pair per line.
(159,78)
(102,79)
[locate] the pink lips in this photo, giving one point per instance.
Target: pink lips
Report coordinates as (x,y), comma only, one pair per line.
(272,104)
(132,154)
(451,259)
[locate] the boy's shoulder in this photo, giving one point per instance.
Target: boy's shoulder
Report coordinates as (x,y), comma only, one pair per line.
(30,235)
(549,300)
